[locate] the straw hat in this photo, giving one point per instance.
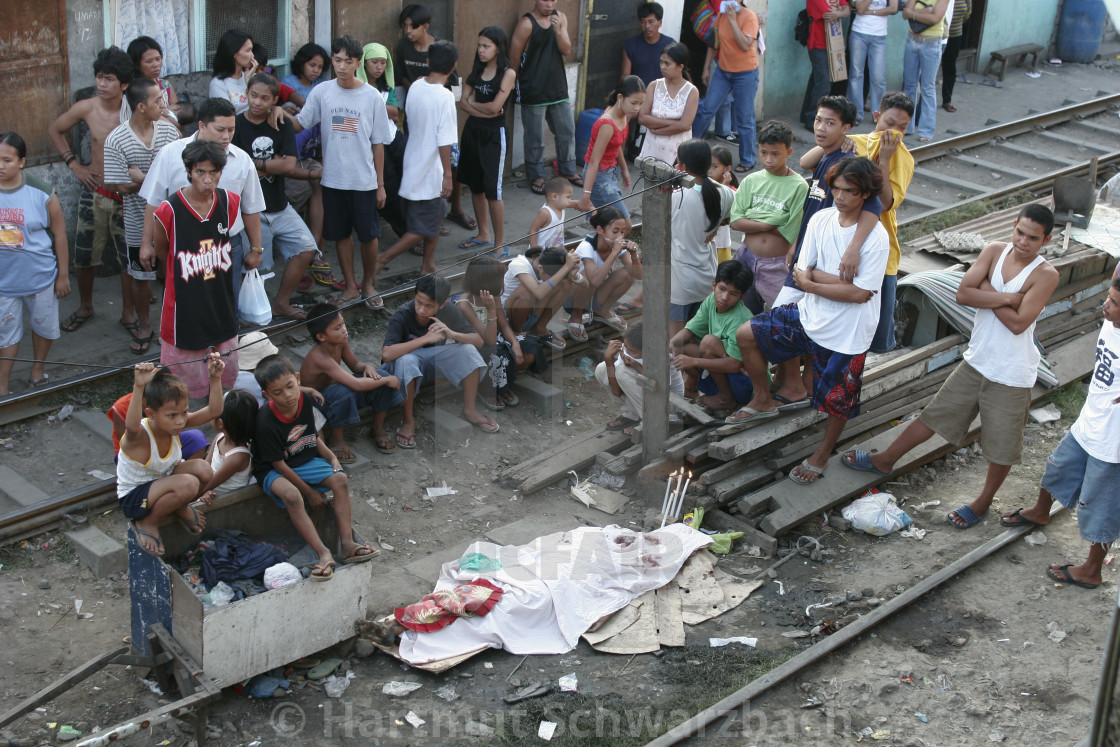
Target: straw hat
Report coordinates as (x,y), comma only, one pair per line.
(253,347)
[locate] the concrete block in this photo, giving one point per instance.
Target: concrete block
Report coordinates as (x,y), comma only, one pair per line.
(450,430)
(96,423)
(103,554)
(536,393)
(19,489)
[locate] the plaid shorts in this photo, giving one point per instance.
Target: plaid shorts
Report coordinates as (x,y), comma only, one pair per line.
(837,378)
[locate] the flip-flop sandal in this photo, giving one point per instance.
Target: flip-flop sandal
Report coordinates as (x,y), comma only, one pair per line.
(418,250)
(194,527)
(627,308)
(345,456)
(296,315)
(486,425)
(444,231)
(550,340)
(615,322)
(509,399)
(360,557)
(491,404)
(158,553)
(575,179)
(1019,520)
(129,326)
(537,186)
(808,468)
(74,322)
(860,460)
(140,345)
(36,383)
(788,404)
(322,572)
(504,253)
(1067,578)
(949,108)
(965,514)
(752,415)
(621,423)
(374,303)
(475,243)
(384,444)
(324,668)
(406,442)
(463,220)
(577,332)
(741,169)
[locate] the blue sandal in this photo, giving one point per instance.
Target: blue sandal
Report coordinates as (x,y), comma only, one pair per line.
(965,514)
(475,243)
(861,460)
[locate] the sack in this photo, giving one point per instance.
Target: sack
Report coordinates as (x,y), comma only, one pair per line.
(703,21)
(801,28)
(253,305)
(876,513)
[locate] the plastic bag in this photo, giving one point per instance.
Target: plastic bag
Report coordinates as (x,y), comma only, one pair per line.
(220,595)
(876,513)
(281,574)
(476,561)
(335,685)
(721,543)
(253,305)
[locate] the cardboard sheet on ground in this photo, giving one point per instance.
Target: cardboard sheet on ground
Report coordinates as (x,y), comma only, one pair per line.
(598,497)
(557,587)
(1103,232)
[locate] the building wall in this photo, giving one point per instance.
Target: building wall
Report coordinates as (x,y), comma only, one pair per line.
(1006,25)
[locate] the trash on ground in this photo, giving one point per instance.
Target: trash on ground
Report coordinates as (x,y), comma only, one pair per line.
(812,703)
(97,474)
(415,720)
(439,492)
(447,692)
(921,717)
(876,513)
(1048,414)
(335,685)
(1035,538)
(151,685)
(569,684)
(67,733)
(721,543)
(1057,635)
(546,730)
(399,689)
(913,533)
(280,575)
(717,642)
(534,689)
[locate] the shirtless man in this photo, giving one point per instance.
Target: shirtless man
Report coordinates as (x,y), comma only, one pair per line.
(100,215)
(1008,286)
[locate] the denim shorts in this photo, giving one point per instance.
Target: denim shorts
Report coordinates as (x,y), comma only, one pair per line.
(1087,485)
(342,402)
(682,312)
(607,189)
(314,473)
(284,231)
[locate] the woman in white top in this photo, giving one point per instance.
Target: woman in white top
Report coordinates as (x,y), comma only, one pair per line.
(868,42)
(229,454)
(233,66)
(534,287)
(670,106)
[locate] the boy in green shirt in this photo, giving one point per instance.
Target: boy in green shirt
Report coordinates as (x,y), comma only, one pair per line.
(707,342)
(767,209)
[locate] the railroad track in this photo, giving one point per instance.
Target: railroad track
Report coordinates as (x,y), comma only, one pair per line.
(1025,154)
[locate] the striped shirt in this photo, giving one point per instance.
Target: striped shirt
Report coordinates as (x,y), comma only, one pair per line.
(124,148)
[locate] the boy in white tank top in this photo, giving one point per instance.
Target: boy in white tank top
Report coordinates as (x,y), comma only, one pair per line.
(153,481)
(1008,286)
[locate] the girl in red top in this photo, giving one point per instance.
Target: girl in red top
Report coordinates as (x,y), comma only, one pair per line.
(606,174)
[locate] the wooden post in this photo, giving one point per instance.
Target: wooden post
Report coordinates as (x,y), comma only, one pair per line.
(656,243)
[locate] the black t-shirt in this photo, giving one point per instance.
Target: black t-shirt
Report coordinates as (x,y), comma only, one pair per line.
(261,141)
(412,65)
(294,442)
(486,91)
(403,326)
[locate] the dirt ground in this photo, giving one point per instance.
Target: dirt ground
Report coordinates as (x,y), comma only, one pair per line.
(981,663)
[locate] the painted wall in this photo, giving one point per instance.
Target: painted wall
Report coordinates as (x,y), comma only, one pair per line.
(1006,25)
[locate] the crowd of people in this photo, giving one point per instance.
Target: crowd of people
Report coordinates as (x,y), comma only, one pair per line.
(357,134)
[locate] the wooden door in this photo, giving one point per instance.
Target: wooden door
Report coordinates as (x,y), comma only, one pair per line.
(34,72)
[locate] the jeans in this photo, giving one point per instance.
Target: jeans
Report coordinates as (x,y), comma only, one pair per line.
(563,126)
(872,51)
(919,68)
(884,341)
(724,121)
(818,85)
(607,189)
(949,68)
(744,85)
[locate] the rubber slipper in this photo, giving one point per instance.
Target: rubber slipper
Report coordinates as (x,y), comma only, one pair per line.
(965,514)
(621,423)
(158,553)
(575,179)
(743,168)
(475,243)
(444,231)
(324,668)
(503,254)
(417,251)
(374,303)
(509,399)
(384,444)
(752,415)
(486,425)
(36,383)
(74,322)
(860,460)
(627,308)
(551,340)
(406,442)
(129,326)
(577,332)
(491,404)
(463,220)
(322,572)
(949,107)
(1067,578)
(808,468)
(296,315)
(345,456)
(360,557)
(615,322)
(1019,520)
(537,186)
(788,404)
(194,527)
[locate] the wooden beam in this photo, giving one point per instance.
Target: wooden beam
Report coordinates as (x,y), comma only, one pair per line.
(534,474)
(94,665)
(696,412)
(725,522)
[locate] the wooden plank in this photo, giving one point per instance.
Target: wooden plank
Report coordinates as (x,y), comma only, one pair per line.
(536,473)
(733,487)
(729,469)
(677,447)
(94,665)
(625,462)
(684,407)
(725,522)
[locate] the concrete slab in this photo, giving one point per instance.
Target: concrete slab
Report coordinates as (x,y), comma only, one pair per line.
(18,489)
(428,567)
(100,552)
(95,422)
(528,529)
(450,430)
(537,394)
(395,589)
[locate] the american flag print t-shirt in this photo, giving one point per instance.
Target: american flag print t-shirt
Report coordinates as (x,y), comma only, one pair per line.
(352,120)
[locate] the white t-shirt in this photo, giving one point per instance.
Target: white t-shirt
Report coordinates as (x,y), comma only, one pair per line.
(353,120)
(247,381)
(168,174)
(694,259)
(872,25)
(842,327)
(432,124)
(232,90)
(1097,428)
(519,265)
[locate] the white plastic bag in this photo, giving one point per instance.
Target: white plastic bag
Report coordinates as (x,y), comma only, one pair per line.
(281,574)
(253,305)
(876,513)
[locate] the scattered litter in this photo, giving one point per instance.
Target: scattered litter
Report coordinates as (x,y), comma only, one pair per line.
(795,634)
(876,513)
(441,491)
(546,730)
(1048,414)
(335,685)
(415,720)
(587,367)
(717,642)
(1003,640)
(99,475)
(781,588)
(488,665)
(926,504)
(220,595)
(447,692)
(914,533)
(65,412)
(599,476)
(68,733)
(1035,538)
(921,717)
(996,736)
(721,543)
(280,575)
(1057,635)
(1032,74)
(44,583)
(151,685)
(812,703)
(534,689)
(399,689)
(881,734)
(569,684)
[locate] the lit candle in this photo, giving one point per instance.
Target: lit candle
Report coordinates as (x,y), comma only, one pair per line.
(665,500)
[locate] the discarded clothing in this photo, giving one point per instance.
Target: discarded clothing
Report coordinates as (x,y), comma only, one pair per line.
(444,606)
(231,559)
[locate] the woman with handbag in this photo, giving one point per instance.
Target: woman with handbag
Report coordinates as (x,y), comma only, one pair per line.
(922,59)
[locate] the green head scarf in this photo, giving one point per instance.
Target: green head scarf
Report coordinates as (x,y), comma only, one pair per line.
(375,51)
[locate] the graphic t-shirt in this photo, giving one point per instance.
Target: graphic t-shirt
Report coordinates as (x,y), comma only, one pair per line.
(353,119)
(294,441)
(264,142)
(403,326)
(1097,428)
(199,309)
(776,200)
(27,261)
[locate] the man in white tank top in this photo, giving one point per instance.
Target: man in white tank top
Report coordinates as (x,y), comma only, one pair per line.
(1008,286)
(1084,471)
